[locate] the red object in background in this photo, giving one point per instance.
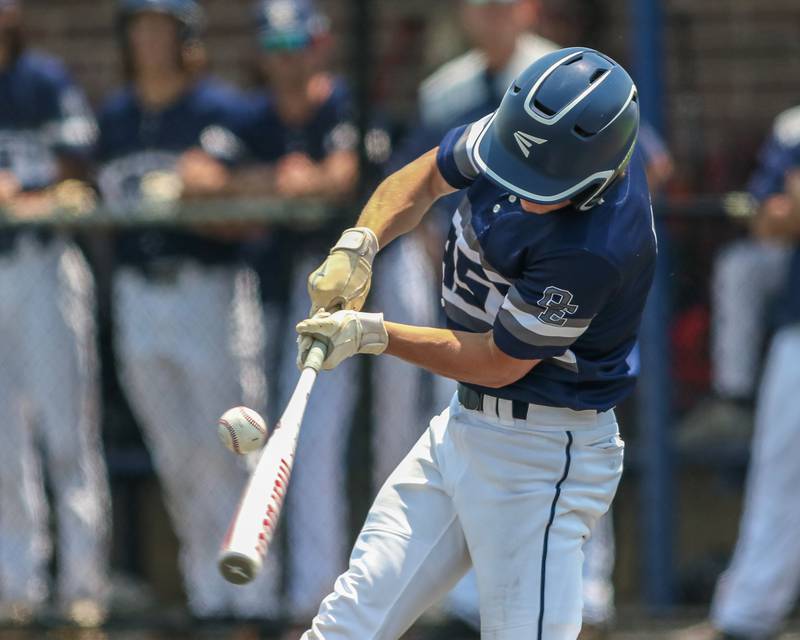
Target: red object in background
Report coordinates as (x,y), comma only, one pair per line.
(691,361)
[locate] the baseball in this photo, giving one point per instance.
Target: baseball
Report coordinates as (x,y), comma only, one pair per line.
(242,430)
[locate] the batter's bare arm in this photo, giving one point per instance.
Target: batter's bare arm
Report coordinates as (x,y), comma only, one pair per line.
(396,207)
(402,200)
(468,357)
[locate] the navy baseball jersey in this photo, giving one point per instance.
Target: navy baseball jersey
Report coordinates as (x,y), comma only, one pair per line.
(330,129)
(566,287)
(267,139)
(779,155)
(137,148)
(43,115)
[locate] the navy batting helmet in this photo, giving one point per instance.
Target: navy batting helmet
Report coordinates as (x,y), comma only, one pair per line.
(188,13)
(565,129)
(288,24)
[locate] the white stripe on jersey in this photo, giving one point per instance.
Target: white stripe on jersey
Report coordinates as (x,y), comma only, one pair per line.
(461,242)
(534,325)
(471,310)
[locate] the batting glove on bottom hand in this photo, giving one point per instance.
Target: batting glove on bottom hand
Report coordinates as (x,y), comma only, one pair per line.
(345,333)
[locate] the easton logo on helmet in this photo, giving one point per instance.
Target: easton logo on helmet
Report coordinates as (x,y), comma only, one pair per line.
(526,141)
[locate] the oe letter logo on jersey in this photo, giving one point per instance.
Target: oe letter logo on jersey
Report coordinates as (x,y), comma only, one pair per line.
(526,141)
(557,305)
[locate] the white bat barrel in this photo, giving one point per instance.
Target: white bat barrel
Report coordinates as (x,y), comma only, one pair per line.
(256,519)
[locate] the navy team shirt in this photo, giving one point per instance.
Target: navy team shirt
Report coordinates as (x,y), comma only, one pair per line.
(43,116)
(268,139)
(136,144)
(566,287)
(779,155)
(331,128)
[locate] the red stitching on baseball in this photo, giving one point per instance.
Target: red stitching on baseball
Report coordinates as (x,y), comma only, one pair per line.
(252,421)
(232,433)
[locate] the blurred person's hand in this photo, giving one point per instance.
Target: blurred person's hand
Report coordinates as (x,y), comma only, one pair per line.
(778,219)
(202,175)
(296,176)
(10,188)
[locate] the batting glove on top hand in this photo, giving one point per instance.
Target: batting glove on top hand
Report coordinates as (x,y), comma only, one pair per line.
(345,333)
(343,280)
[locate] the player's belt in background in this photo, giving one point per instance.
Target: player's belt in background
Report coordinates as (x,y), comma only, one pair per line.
(504,409)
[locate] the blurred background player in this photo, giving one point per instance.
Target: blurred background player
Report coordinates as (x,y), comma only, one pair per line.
(302,134)
(48,377)
(188,326)
(758,590)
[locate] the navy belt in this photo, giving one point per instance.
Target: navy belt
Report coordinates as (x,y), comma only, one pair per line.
(473,400)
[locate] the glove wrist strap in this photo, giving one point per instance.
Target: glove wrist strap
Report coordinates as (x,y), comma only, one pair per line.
(362,240)
(374,338)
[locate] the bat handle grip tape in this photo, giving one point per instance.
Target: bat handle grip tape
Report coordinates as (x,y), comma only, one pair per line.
(316,356)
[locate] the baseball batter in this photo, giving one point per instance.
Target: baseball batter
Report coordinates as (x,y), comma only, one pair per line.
(547,267)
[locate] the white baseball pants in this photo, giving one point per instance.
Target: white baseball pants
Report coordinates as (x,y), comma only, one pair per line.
(758,590)
(746,275)
(49,392)
(514,499)
(187,350)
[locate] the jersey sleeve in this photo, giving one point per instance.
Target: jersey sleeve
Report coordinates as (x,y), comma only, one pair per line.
(553,303)
(779,153)
(454,157)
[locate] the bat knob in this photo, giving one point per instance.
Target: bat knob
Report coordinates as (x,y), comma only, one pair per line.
(237,568)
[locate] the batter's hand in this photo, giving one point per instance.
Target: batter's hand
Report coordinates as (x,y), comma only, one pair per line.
(345,332)
(344,278)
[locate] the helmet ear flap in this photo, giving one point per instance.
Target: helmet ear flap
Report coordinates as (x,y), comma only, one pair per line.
(593,196)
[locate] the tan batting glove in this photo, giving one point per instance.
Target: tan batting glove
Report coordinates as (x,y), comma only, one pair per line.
(345,333)
(343,280)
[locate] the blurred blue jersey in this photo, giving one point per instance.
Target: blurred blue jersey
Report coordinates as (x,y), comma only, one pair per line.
(779,155)
(135,142)
(331,128)
(43,115)
(567,287)
(138,151)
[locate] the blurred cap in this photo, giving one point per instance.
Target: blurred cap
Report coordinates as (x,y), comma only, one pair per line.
(187,12)
(288,24)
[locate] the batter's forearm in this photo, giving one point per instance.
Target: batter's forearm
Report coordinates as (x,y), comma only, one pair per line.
(402,200)
(467,357)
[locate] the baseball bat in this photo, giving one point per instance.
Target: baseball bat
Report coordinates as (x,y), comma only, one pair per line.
(250,533)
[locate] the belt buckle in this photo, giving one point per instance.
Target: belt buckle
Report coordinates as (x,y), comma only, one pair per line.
(469,398)
(163,271)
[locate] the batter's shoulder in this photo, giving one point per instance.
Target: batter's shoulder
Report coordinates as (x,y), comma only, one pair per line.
(786,129)
(442,94)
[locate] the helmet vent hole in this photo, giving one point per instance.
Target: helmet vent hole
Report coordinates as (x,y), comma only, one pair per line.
(583,133)
(574,60)
(597,75)
(545,110)
(516,89)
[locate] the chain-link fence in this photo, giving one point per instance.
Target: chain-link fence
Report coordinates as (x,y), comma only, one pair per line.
(107,367)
